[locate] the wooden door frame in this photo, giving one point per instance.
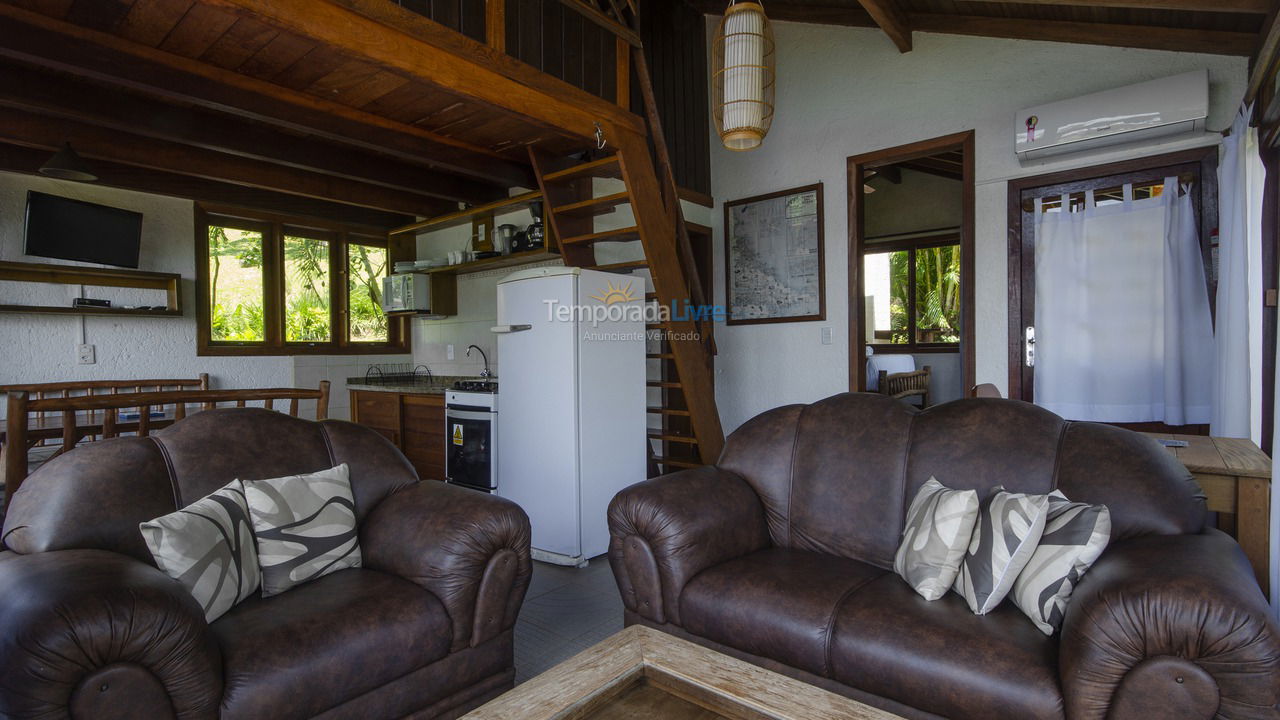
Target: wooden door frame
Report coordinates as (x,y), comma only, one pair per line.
(1021,263)
(856,166)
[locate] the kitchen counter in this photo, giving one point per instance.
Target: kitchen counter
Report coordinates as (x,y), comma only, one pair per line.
(403,389)
(437,386)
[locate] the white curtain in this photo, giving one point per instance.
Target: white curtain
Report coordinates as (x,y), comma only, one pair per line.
(1236,405)
(1123,330)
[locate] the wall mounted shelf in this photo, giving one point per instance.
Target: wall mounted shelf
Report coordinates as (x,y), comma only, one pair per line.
(494,263)
(464,217)
(170,283)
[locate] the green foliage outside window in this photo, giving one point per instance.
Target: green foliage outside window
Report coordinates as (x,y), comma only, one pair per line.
(237,295)
(937,301)
(235,285)
(367,266)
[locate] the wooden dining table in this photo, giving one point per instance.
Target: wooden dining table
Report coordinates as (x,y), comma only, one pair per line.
(1236,478)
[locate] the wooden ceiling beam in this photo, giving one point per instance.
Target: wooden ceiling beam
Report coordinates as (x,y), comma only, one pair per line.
(59,95)
(26,160)
(1256,7)
(39,40)
(1262,67)
(394,38)
(847,15)
(98,143)
(890,18)
(1138,36)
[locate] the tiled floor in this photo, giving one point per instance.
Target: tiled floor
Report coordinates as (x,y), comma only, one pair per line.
(566,611)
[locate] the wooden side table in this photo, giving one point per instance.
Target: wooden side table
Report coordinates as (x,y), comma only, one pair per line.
(1236,478)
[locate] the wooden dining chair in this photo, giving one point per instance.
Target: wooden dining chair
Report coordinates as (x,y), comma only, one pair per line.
(906,384)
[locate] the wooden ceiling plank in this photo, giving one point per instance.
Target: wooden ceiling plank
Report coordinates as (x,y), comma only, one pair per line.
(245,38)
(1256,7)
(1214,42)
(39,40)
(14,158)
(98,143)
(150,22)
(197,31)
(890,18)
(75,99)
(99,14)
(284,50)
(52,8)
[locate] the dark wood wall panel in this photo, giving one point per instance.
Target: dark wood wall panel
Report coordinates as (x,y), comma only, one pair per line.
(675,45)
(563,44)
(465,16)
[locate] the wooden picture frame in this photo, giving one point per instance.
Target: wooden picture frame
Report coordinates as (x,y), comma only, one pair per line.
(783,221)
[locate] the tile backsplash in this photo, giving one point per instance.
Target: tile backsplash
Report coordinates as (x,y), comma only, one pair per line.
(309,370)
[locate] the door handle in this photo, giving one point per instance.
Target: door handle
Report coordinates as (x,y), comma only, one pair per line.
(507,329)
(1030,345)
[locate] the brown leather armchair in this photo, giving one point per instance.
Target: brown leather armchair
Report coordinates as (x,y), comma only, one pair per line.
(89,628)
(782,554)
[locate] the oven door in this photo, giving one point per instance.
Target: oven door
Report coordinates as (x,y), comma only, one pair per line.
(469,456)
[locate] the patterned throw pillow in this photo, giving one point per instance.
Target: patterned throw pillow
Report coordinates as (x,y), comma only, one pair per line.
(208,547)
(305,525)
(1008,530)
(1074,536)
(936,535)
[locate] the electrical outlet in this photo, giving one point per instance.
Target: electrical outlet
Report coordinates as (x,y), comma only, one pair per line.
(826,336)
(86,355)
(448,351)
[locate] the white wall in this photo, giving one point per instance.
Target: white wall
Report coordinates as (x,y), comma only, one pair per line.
(42,348)
(845,91)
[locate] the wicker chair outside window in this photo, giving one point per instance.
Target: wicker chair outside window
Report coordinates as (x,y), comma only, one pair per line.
(906,385)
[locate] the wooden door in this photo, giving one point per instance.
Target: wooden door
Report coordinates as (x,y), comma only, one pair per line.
(1198,167)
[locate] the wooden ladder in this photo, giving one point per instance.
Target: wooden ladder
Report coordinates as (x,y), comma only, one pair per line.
(687,429)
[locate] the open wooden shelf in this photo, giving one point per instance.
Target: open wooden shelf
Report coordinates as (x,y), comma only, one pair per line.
(494,263)
(55,310)
(464,217)
(100,277)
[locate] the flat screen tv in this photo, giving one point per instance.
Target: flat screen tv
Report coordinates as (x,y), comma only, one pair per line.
(67,229)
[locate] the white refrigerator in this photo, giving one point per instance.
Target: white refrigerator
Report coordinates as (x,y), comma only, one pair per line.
(572,431)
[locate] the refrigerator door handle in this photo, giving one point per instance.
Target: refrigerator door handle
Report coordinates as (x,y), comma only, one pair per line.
(508,329)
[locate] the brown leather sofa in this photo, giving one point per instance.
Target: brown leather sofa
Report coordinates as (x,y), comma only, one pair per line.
(89,628)
(782,554)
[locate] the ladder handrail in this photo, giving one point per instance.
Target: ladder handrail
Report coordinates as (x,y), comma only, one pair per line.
(670,192)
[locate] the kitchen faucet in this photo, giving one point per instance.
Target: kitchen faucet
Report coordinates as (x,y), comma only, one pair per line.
(483,373)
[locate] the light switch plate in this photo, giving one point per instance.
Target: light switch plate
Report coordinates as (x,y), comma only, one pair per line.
(448,350)
(86,355)
(826,336)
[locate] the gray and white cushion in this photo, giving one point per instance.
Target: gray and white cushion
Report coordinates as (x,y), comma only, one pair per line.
(208,546)
(305,525)
(939,523)
(1074,536)
(1008,529)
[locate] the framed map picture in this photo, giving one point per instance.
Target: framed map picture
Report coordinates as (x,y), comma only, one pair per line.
(773,257)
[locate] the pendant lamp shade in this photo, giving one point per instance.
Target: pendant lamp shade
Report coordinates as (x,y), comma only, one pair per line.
(743,76)
(67,165)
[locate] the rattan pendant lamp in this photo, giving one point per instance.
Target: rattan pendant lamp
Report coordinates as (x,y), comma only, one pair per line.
(744,72)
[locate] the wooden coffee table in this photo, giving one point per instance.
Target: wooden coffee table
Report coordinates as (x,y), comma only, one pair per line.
(644,673)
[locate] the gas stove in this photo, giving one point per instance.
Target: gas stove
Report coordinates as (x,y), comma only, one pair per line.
(476,386)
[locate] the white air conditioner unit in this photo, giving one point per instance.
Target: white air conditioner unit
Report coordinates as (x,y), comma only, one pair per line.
(1168,106)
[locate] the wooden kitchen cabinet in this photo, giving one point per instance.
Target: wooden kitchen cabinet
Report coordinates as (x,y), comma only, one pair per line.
(412,422)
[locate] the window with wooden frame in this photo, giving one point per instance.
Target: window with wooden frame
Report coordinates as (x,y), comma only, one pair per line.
(273,285)
(913,293)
